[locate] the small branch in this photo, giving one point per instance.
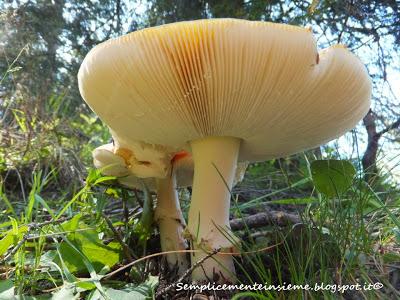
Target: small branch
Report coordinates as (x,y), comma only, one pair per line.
(392,126)
(185,251)
(38,225)
(28,236)
(265,218)
(15,249)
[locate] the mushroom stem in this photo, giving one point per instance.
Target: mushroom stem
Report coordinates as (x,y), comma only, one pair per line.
(215,160)
(171,224)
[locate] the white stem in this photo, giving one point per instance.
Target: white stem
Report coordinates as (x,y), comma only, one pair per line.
(215,160)
(171,224)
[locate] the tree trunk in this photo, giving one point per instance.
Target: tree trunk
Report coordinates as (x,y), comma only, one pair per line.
(371,153)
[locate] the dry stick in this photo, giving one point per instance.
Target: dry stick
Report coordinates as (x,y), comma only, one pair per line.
(28,236)
(15,249)
(187,251)
(38,225)
(127,251)
(265,218)
(187,273)
(48,235)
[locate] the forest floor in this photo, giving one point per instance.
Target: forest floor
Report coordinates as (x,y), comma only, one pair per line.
(89,243)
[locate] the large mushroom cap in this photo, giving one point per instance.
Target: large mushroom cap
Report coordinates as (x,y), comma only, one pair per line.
(261,82)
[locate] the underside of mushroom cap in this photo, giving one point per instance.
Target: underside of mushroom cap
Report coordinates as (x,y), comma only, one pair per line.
(113,160)
(109,163)
(261,82)
(183,171)
(108,159)
(143,160)
(112,164)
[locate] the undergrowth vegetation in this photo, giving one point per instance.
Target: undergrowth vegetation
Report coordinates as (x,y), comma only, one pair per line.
(86,239)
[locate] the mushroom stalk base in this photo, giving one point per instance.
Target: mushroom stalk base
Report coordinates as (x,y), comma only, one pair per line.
(171,224)
(215,160)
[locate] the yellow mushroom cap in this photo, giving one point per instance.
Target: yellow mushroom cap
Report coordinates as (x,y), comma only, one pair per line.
(261,82)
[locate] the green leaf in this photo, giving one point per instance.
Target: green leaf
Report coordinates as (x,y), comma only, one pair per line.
(143,291)
(390,258)
(66,275)
(40,200)
(121,295)
(72,224)
(98,254)
(86,285)
(144,227)
(75,198)
(6,242)
(93,175)
(103,255)
(7,290)
(95,278)
(20,117)
(12,237)
(66,292)
(5,199)
(103,179)
(332,177)
(112,192)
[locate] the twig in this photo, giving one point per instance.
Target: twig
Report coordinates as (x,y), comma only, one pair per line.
(28,236)
(38,225)
(390,127)
(187,273)
(265,218)
(34,237)
(15,249)
(186,251)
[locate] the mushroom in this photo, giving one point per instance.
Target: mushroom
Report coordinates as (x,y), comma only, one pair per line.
(229,90)
(168,214)
(122,163)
